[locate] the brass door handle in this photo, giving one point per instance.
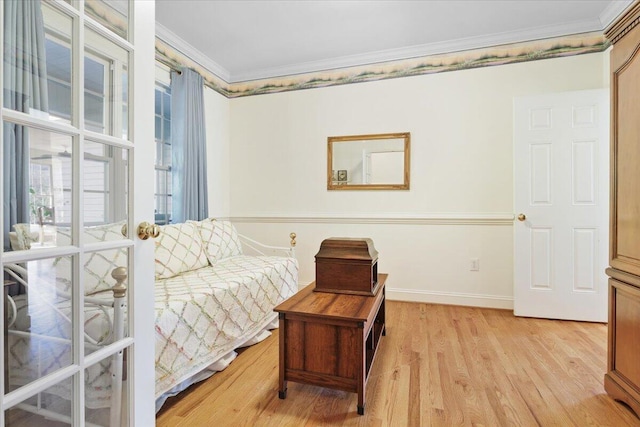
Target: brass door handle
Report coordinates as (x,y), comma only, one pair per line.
(146,230)
(522,217)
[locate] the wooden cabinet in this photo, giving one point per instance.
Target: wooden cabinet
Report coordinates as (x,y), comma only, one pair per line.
(622,380)
(330,339)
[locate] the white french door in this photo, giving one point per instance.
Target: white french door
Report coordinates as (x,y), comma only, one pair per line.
(77,316)
(561,152)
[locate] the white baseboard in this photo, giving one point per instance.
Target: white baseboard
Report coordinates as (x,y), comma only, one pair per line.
(450,298)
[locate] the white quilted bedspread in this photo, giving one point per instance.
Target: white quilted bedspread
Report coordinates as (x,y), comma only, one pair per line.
(203,314)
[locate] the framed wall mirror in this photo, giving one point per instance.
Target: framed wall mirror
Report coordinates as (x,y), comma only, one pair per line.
(368,162)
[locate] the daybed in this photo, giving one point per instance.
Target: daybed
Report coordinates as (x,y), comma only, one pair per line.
(211,298)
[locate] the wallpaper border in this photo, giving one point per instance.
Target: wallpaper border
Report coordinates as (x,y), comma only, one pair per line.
(578,44)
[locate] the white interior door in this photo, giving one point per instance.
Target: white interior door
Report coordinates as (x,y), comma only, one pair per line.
(561,151)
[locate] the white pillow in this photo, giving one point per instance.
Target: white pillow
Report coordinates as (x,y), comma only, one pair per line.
(220,239)
(178,249)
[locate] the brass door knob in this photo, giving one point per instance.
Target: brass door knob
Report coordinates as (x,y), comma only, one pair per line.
(522,217)
(146,230)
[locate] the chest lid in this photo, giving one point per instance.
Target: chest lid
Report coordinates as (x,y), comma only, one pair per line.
(346,248)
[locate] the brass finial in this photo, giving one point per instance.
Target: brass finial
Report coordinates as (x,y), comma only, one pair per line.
(293,239)
(120,275)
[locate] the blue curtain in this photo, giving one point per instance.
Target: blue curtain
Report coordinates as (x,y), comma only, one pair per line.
(189,156)
(25,88)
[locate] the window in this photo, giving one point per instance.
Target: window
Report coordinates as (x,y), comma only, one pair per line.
(163,155)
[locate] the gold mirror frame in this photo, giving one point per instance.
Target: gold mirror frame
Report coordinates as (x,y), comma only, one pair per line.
(335,182)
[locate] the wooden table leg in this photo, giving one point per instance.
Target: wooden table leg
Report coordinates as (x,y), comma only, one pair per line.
(282,383)
(362,372)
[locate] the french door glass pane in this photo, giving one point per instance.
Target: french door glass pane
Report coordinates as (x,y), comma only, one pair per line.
(113,14)
(125,104)
(39,309)
(99,405)
(37,73)
(105,187)
(49,408)
(37,170)
(106,86)
(98,284)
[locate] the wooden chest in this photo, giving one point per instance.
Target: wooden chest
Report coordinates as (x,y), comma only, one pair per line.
(347,266)
(330,340)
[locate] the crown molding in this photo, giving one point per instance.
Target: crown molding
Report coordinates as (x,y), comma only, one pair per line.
(612,11)
(176,42)
(624,23)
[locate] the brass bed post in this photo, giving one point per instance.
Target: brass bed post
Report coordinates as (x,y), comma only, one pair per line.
(293,243)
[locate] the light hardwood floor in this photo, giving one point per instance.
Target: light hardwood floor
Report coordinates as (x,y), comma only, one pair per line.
(437,366)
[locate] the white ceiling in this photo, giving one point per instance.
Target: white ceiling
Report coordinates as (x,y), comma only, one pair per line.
(247,40)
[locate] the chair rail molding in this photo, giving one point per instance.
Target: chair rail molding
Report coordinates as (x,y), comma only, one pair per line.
(435,218)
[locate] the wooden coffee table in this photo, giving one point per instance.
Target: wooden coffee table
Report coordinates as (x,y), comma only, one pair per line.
(330,339)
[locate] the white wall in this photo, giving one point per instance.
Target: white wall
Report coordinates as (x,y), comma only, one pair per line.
(217,122)
(460,203)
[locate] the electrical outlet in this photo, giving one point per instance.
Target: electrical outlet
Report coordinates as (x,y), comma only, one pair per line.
(474,264)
